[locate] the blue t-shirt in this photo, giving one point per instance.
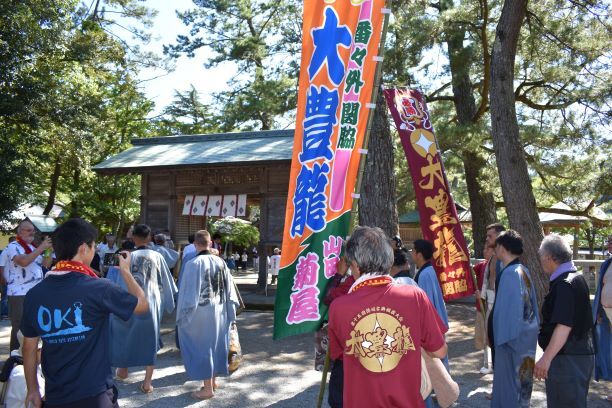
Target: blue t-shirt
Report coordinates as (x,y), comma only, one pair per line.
(70,314)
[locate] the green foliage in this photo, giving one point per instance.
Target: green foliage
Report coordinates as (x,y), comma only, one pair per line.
(563,89)
(72,101)
(262,39)
(187,115)
(237,231)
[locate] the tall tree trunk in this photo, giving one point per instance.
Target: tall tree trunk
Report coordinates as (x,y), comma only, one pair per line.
(57,172)
(482,202)
(76,185)
(377,205)
(511,163)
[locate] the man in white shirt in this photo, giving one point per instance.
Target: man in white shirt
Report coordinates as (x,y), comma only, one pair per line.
(275,265)
(110,247)
(23,270)
(245,258)
(3,285)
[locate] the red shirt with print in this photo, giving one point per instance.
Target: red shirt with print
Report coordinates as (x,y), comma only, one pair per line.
(379,332)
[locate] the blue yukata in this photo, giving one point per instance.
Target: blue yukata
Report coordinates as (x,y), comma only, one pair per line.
(403,278)
(135,342)
(603,358)
(515,333)
(186,258)
(205,311)
(170,255)
(427,280)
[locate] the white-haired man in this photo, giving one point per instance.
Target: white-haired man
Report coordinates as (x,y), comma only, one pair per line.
(23,271)
(566,333)
(379,328)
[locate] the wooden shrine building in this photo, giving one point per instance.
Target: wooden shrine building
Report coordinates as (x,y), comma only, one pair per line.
(255,164)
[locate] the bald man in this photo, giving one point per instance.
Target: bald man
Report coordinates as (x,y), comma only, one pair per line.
(23,271)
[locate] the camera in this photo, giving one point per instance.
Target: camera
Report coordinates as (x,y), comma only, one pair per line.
(112,259)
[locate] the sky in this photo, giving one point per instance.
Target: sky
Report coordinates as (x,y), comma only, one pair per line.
(166,26)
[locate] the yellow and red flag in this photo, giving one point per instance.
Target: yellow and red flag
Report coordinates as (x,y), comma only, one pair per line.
(339,56)
(437,212)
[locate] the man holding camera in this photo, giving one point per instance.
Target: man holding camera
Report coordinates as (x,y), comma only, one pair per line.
(23,271)
(136,342)
(69,310)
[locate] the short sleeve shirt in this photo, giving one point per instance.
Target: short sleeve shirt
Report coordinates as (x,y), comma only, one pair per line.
(568,303)
(379,332)
(70,313)
(104,249)
(3,257)
(275,264)
(18,278)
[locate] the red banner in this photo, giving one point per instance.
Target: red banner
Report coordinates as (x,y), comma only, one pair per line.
(438,215)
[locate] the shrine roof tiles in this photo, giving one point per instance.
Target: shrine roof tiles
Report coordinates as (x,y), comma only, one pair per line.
(193,150)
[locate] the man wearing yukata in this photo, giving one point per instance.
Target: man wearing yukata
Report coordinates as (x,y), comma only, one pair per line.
(206,309)
(602,313)
(135,342)
(515,326)
(380,327)
(427,279)
(170,255)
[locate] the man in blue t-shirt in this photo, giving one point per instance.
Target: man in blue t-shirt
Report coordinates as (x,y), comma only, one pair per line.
(69,310)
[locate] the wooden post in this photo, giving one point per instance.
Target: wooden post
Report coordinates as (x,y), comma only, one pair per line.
(144,199)
(576,241)
(171,225)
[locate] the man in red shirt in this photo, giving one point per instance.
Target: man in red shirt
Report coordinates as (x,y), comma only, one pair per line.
(379,329)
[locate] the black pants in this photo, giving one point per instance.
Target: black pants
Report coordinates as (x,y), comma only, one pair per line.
(568,380)
(15,314)
(491,337)
(336,384)
(106,399)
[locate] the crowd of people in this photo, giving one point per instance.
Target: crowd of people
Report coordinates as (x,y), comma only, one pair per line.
(87,324)
(384,307)
(386,326)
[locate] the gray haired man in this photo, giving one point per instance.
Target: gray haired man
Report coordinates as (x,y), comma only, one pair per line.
(379,328)
(566,333)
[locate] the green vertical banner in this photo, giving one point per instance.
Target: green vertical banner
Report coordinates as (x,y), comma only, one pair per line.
(337,75)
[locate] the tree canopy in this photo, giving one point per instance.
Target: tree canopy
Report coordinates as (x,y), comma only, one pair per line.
(70,96)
